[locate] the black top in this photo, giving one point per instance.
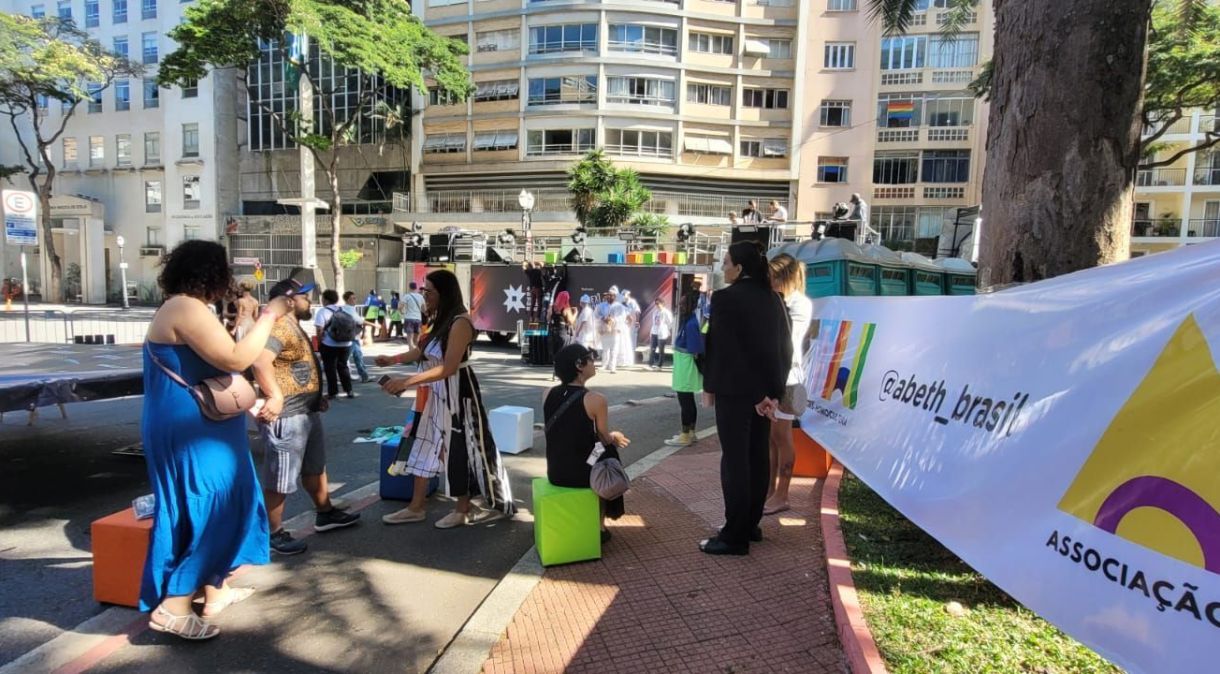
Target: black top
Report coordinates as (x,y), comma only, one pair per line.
(534,276)
(569,439)
(749,342)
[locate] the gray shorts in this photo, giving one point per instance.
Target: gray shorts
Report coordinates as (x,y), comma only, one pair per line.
(411,326)
(292,446)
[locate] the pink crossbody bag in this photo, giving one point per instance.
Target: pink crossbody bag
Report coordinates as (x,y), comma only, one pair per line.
(220,398)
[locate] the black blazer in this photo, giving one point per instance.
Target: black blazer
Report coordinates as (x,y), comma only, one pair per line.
(749,342)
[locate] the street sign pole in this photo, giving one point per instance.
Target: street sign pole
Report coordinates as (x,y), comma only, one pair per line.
(25,292)
(21,229)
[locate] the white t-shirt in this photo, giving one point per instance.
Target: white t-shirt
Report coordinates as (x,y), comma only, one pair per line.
(412,306)
(662,322)
(800,310)
(323,317)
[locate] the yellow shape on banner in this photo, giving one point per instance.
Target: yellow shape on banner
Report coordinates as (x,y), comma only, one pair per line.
(259,275)
(1152,478)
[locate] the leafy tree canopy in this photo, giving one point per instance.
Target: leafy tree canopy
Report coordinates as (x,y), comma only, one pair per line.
(605,197)
(52,58)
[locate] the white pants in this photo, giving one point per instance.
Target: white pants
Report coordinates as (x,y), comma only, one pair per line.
(626,348)
(610,351)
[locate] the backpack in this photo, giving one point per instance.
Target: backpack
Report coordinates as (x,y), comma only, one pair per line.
(342,326)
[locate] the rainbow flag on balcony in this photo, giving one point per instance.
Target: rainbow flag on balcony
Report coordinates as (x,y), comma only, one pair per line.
(900,110)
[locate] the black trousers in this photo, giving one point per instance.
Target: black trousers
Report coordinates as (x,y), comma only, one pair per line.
(745,462)
(690,412)
(334,364)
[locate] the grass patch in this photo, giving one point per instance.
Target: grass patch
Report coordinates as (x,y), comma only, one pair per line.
(906,578)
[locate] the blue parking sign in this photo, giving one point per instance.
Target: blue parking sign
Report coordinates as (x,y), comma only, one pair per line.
(20,217)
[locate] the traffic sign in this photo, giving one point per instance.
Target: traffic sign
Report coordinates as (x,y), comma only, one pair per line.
(259,275)
(20,217)
(246,261)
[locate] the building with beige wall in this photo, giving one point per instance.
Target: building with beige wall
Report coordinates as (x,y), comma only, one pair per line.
(1179,203)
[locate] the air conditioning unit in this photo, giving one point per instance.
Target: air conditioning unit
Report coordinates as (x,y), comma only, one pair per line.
(756,48)
(152,251)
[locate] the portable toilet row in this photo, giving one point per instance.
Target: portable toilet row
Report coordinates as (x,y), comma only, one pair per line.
(840,267)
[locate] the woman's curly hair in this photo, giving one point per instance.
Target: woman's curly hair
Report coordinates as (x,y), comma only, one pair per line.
(197,268)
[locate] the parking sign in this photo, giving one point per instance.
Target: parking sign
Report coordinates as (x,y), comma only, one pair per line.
(20,217)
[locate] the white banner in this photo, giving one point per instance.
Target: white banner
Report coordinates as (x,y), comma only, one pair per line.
(1063,438)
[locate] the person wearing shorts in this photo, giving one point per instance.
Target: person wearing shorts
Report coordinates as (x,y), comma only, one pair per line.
(290,423)
(412,308)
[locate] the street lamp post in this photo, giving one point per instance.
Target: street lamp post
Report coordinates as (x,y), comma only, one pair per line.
(122,271)
(526,201)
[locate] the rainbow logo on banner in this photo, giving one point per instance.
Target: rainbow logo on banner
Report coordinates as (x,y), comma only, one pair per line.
(1152,478)
(903,110)
(843,347)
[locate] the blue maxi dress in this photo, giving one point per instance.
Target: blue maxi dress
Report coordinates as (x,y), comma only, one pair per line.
(210,517)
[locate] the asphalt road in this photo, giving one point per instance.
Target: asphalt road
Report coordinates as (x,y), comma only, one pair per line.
(371,598)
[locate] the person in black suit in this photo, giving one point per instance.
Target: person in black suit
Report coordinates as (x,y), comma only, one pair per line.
(749,353)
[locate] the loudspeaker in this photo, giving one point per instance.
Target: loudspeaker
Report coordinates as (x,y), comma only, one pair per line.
(496,255)
(761,235)
(840,229)
(439,248)
(573,256)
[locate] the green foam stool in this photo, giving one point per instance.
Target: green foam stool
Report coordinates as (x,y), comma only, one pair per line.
(567,524)
(551,257)
(680,258)
(650,258)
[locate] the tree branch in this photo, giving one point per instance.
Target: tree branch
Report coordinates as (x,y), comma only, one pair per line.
(1212,140)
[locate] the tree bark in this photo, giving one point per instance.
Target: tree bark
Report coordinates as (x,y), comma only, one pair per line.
(1064,138)
(336,218)
(52,289)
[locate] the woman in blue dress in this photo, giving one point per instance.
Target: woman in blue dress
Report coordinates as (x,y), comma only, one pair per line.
(210,518)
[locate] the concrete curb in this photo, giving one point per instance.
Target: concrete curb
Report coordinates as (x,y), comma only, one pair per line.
(857,641)
(470,647)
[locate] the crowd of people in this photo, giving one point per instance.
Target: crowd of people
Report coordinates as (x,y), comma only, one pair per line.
(220,502)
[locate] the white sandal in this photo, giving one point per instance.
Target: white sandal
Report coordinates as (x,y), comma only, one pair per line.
(190,626)
(236,595)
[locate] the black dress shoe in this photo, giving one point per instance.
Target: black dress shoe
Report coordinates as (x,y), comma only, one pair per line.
(715,546)
(755,536)
(605,536)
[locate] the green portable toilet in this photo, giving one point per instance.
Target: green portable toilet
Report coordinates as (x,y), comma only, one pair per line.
(839,267)
(926,277)
(958,275)
(893,275)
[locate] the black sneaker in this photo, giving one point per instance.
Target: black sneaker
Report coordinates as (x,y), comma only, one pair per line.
(352,394)
(334,519)
(282,543)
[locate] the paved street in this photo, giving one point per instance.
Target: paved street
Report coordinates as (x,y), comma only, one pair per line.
(366,599)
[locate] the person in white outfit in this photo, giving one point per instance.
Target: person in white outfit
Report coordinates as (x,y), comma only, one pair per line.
(659,332)
(586,325)
(633,329)
(788,280)
(609,313)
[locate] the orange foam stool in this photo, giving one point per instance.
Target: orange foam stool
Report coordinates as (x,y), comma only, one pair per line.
(812,459)
(635,258)
(120,544)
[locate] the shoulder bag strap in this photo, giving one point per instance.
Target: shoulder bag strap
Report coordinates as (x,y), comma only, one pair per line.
(563,408)
(172,375)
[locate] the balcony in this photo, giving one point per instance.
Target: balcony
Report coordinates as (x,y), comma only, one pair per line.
(1209,124)
(943,18)
(1161,177)
(894,192)
(1206,228)
(673,204)
(937,134)
(940,192)
(1180,127)
(1207,176)
(901,78)
(1155,229)
(897,135)
(956,76)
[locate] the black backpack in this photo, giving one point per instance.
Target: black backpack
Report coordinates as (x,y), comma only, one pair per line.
(342,326)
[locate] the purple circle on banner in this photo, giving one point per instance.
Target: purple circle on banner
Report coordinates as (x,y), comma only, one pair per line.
(1189,508)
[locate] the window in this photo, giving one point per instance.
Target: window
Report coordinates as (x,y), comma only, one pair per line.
(190,140)
(190,89)
(442,97)
(899,111)
(91,13)
(707,144)
(643,39)
(631,142)
(840,56)
(153,237)
(148,9)
(766,147)
(152,95)
(498,40)
(120,46)
(191,193)
(949,110)
(148,46)
(442,143)
(490,141)
(42,101)
(832,169)
(961,51)
(152,148)
(904,52)
(95,97)
(122,149)
(65,9)
(946,166)
(152,196)
(639,91)
(122,95)
(709,94)
(706,43)
(191,232)
(841,5)
(765,98)
(444,3)
(835,113)
(558,141)
(497,90)
(895,168)
(69,152)
(119,11)
(97,151)
(570,89)
(779,49)
(563,38)
(38,12)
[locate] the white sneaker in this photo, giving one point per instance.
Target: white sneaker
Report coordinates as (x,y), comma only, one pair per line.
(405,516)
(453,520)
(681,440)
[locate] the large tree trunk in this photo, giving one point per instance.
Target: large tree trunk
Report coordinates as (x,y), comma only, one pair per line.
(52,288)
(1064,136)
(336,218)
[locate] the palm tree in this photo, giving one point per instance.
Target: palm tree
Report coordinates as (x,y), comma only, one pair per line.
(1063,144)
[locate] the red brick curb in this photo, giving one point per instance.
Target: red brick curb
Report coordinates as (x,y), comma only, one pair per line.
(858,645)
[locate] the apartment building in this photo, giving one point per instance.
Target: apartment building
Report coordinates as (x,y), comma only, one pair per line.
(1179,203)
(698,96)
(153,165)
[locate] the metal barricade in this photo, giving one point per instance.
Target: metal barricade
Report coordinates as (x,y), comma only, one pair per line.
(123,327)
(48,326)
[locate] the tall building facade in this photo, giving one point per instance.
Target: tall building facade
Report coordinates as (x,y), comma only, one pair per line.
(1179,203)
